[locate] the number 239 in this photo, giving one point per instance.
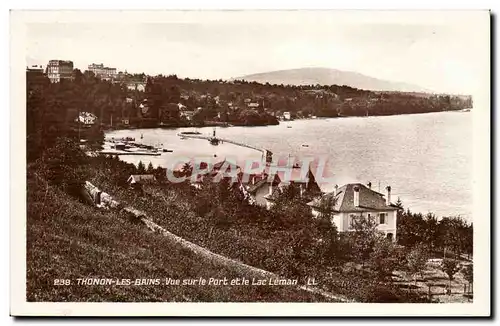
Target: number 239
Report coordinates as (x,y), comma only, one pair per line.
(62,282)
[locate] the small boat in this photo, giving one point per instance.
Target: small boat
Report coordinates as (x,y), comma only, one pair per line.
(289,126)
(190,133)
(214,140)
(167,150)
(142,136)
(305,145)
(120,146)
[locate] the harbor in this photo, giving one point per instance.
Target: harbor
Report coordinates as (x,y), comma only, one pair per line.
(128,146)
(334,138)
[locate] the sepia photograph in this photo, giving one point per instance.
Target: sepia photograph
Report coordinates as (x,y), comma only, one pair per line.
(308,162)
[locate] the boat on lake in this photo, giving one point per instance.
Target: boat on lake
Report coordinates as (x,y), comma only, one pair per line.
(190,133)
(214,140)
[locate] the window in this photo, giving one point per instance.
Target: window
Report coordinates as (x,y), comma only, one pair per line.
(382,218)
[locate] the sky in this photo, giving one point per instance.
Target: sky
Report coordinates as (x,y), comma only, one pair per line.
(435,55)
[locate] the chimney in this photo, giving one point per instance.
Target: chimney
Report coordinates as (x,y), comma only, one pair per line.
(336,190)
(388,199)
(356,195)
(270,188)
(302,189)
(369,184)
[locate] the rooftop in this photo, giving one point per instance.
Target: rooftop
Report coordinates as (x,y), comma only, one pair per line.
(344,200)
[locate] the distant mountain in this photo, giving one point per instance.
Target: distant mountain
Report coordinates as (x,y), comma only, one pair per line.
(326,76)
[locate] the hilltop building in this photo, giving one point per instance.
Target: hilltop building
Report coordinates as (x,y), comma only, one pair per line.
(35,70)
(58,70)
(102,72)
(35,74)
(88,119)
(136,86)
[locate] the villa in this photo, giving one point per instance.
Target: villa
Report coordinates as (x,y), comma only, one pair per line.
(355,200)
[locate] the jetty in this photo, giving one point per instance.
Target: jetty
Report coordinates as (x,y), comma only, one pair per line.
(124,152)
(224,140)
(266,153)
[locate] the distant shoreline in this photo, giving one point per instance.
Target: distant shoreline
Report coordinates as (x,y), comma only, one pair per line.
(107,129)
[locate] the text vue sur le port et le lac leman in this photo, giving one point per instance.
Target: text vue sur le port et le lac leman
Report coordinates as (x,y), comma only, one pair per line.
(185,282)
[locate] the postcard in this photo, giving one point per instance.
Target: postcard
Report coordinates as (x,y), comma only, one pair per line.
(250,163)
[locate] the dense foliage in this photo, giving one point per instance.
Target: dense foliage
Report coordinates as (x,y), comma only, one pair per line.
(319,100)
(452,236)
(52,109)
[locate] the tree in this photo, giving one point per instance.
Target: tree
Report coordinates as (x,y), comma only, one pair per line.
(150,168)
(416,261)
(141,169)
(326,208)
(187,169)
(468,240)
(399,203)
(289,210)
(64,165)
(468,272)
(384,257)
(330,250)
(450,234)
(450,267)
(411,229)
(362,238)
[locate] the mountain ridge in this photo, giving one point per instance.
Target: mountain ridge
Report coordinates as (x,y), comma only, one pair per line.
(329,76)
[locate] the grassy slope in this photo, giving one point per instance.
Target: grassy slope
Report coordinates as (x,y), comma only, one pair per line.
(68,239)
(247,243)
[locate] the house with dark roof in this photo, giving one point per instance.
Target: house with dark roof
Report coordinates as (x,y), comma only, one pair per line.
(218,171)
(140,179)
(308,187)
(265,191)
(355,200)
(260,187)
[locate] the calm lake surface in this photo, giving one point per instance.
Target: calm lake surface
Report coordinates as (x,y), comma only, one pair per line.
(426,158)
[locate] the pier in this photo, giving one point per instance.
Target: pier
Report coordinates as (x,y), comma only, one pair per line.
(122,152)
(265,153)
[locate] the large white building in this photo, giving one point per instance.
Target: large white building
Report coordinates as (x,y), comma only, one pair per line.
(86,118)
(136,86)
(105,73)
(59,69)
(355,200)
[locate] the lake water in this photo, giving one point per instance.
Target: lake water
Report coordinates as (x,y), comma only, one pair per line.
(426,158)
